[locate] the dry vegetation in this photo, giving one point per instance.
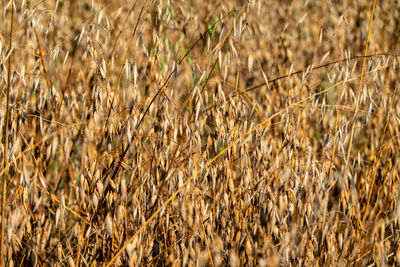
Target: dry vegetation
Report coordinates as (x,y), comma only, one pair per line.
(204,133)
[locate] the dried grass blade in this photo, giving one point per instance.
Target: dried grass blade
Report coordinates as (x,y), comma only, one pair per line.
(5,138)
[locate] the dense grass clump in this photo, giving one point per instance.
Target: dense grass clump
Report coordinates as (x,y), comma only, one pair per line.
(201,133)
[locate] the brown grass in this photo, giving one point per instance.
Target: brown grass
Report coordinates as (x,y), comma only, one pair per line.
(201,134)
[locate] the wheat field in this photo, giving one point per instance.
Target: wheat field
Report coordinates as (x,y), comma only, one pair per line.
(200,133)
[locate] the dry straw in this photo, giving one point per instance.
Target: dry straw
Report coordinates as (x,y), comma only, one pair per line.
(5,139)
(211,134)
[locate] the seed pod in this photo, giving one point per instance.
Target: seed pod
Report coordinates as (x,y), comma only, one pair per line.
(109,225)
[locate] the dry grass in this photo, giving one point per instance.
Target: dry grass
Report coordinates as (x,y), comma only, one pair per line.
(211,133)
